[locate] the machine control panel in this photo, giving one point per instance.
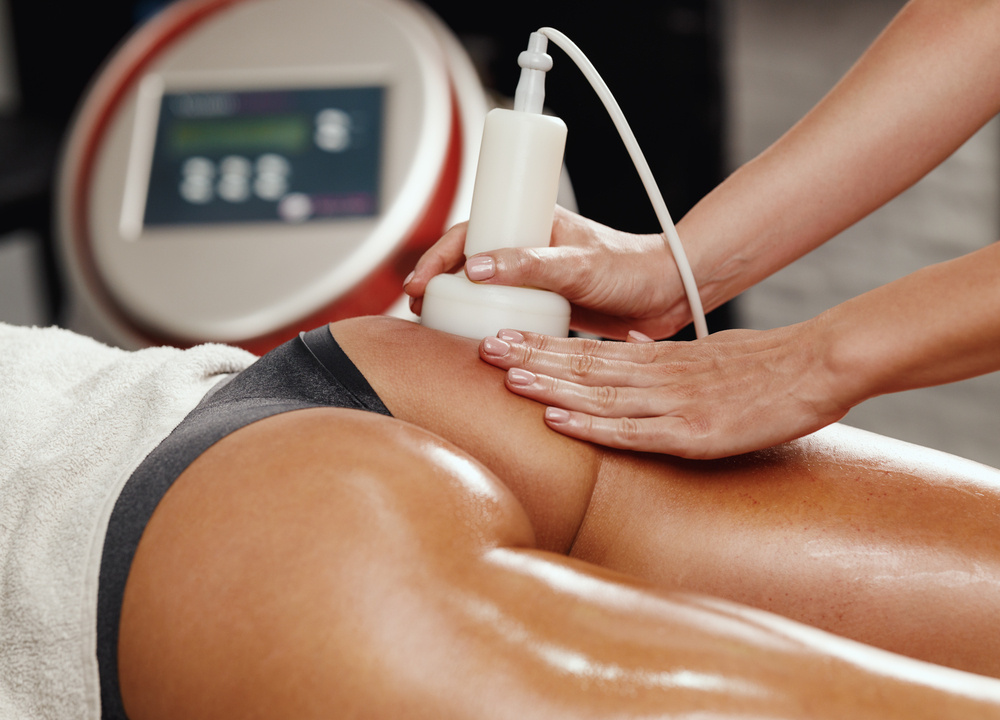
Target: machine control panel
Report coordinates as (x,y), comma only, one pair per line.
(283,155)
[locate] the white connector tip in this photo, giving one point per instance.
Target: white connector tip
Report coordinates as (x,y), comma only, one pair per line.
(535,57)
(535,62)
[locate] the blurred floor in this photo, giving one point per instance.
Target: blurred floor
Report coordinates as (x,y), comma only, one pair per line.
(782,56)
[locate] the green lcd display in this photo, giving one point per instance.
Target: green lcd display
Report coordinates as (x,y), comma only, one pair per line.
(288,134)
(266,156)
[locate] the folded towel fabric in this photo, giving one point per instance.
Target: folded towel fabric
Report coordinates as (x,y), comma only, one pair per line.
(76,418)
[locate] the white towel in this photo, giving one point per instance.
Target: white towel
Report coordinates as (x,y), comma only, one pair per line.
(76,418)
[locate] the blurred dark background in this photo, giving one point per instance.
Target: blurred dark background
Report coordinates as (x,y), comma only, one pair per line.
(661,60)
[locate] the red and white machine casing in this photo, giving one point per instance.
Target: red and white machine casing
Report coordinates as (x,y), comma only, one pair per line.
(257,284)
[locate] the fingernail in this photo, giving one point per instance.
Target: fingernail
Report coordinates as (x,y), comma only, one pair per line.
(511,336)
(637,336)
(480,268)
(556,416)
(409,277)
(519,377)
(495,347)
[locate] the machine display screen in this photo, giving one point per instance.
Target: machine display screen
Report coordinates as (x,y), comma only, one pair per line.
(275,155)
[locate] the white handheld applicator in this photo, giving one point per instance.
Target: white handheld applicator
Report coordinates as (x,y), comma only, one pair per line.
(513,202)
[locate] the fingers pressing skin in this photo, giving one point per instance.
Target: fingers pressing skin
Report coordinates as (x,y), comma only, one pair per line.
(730,393)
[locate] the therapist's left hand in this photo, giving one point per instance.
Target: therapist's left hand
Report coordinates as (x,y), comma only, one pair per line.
(730,393)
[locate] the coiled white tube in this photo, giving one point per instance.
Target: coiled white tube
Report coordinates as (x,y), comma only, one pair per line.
(642,167)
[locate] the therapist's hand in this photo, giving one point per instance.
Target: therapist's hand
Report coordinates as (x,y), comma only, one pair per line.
(733,392)
(615,281)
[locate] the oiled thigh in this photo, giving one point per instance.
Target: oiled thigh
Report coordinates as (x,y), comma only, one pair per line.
(330,563)
(872,538)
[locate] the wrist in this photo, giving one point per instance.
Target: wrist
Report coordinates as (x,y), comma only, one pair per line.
(669,305)
(728,248)
(847,364)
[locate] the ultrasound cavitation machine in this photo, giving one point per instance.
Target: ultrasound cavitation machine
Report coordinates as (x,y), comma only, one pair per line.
(241,170)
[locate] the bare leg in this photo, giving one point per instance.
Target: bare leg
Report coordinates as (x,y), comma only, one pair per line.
(293,572)
(871,538)
(877,540)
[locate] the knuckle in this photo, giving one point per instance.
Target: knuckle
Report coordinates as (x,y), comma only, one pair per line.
(648,353)
(529,260)
(680,369)
(685,393)
(526,355)
(544,343)
(698,425)
(629,432)
(582,366)
(591,346)
(515,262)
(605,398)
(694,442)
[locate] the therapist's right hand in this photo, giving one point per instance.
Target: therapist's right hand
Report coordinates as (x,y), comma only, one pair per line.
(615,281)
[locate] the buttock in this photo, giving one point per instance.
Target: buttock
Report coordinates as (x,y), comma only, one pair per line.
(308,371)
(282,542)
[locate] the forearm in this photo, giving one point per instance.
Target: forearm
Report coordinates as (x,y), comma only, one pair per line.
(924,87)
(935,326)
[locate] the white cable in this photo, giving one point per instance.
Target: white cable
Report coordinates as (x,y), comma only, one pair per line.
(642,167)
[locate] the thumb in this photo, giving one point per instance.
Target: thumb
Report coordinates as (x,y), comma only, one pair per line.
(538,267)
(635,336)
(444,256)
